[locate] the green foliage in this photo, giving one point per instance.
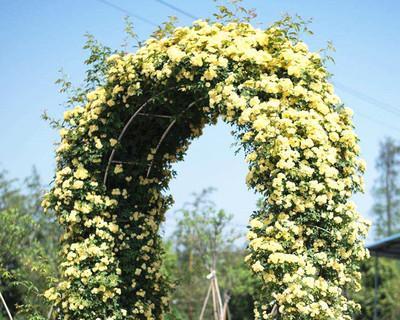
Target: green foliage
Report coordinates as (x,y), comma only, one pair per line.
(388,294)
(166,28)
(205,230)
(204,241)
(28,251)
(95,73)
(293,26)
(233,11)
(98,54)
(131,36)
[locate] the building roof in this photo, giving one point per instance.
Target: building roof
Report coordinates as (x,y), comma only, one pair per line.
(387,247)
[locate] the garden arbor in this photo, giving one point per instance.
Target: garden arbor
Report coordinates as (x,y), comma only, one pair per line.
(114,166)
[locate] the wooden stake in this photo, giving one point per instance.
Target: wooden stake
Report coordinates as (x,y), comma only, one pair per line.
(214,296)
(203,309)
(220,311)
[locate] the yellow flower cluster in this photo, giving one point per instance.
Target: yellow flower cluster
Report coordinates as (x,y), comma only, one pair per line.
(305,241)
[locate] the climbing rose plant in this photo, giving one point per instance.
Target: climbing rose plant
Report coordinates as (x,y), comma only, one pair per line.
(117,148)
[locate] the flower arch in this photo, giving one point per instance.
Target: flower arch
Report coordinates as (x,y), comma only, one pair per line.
(114,165)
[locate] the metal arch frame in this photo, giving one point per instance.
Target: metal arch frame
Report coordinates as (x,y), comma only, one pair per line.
(6,307)
(137,112)
(130,121)
(165,133)
(121,135)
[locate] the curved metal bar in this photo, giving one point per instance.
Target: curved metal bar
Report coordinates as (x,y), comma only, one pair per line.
(110,159)
(166,132)
(159,144)
(125,162)
(137,112)
(127,125)
(154,115)
(6,307)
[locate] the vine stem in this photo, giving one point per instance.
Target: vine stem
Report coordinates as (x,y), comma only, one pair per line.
(6,307)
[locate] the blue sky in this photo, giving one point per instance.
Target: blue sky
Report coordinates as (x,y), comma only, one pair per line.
(40,37)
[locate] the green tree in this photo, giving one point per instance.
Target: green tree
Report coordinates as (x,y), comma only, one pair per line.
(10,196)
(204,241)
(388,294)
(387,189)
(28,239)
(386,209)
